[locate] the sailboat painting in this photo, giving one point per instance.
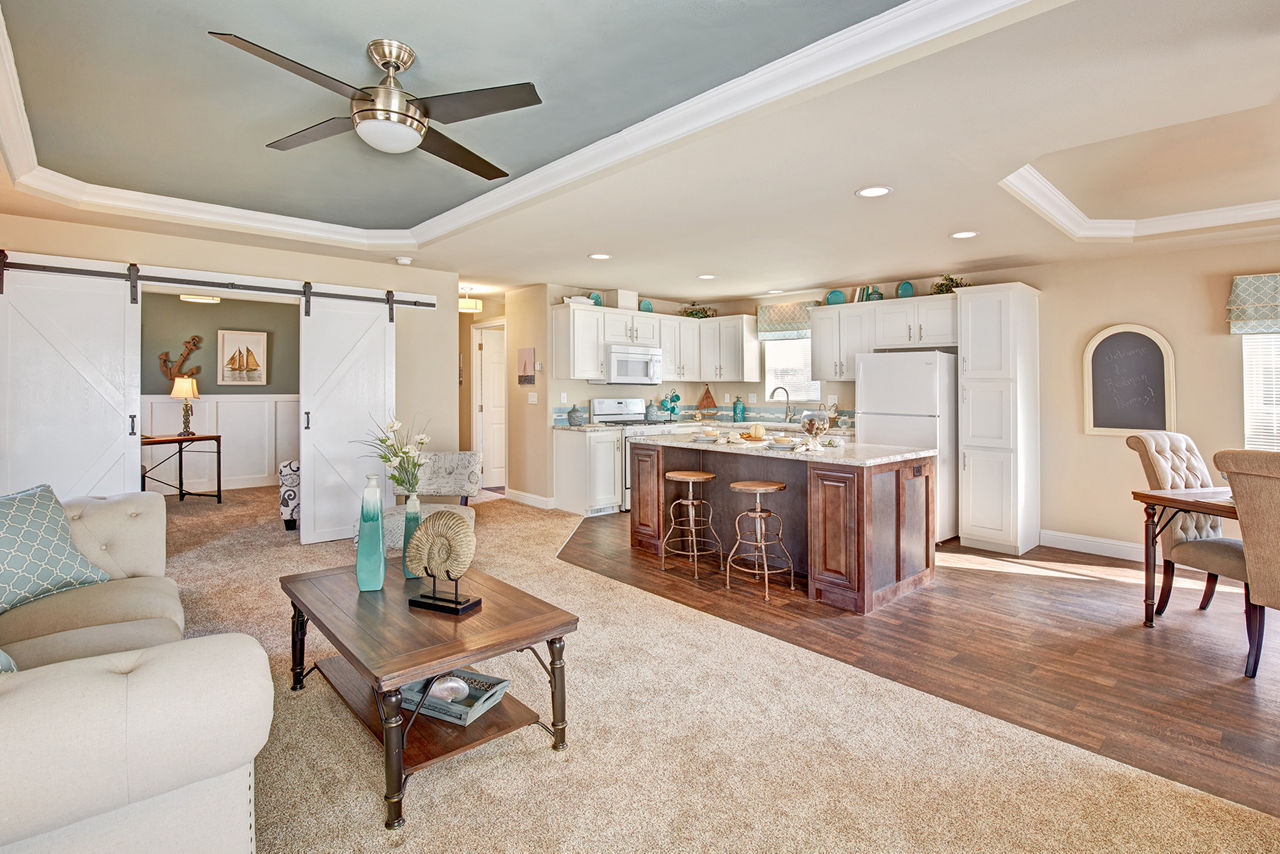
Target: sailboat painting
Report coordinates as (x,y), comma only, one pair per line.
(242,357)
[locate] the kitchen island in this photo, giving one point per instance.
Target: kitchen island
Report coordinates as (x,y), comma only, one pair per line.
(858,520)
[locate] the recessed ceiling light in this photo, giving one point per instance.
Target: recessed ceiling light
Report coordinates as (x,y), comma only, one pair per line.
(404,260)
(599,256)
(776,291)
(874,191)
(706,276)
(964,235)
(199,298)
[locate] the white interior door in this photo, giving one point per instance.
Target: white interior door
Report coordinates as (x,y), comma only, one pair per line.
(347,386)
(69,382)
(493,397)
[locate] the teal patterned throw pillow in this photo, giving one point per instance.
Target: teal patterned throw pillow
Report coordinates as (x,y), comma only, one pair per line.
(6,663)
(37,556)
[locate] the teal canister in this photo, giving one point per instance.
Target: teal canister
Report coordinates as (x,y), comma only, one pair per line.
(371,557)
(739,410)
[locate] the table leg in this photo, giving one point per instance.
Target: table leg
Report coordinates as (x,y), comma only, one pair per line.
(218,445)
(393,747)
(299,649)
(558,723)
(1149,589)
(182,492)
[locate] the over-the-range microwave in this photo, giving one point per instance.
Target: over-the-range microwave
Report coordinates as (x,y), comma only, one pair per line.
(628,365)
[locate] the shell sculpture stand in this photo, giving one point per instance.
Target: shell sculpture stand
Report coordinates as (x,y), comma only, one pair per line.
(442,549)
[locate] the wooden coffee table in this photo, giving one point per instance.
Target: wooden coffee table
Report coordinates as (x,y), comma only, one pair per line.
(385,644)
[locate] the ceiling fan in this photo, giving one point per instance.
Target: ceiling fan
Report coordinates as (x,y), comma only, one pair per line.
(391,119)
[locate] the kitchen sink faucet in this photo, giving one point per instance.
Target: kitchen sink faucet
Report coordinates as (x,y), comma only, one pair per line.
(787,413)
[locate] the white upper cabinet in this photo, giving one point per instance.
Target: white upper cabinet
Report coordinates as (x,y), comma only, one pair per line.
(838,334)
(578,342)
(669,338)
(916,322)
(646,329)
(690,351)
(986,327)
(857,335)
(617,327)
(824,343)
(709,351)
(729,349)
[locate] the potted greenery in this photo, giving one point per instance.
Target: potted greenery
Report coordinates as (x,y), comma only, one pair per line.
(948,283)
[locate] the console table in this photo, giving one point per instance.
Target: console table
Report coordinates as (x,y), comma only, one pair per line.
(184,442)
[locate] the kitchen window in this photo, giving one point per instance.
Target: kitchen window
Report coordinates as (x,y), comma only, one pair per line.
(786,364)
(1262,392)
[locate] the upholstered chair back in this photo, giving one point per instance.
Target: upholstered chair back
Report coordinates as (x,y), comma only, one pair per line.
(1254,477)
(1172,461)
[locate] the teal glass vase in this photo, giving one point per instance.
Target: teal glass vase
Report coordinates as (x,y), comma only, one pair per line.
(371,557)
(412,517)
(739,410)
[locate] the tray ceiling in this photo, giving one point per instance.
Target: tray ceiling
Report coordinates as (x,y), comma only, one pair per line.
(137,96)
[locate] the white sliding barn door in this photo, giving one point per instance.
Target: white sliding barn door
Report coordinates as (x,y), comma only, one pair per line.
(346,385)
(69,381)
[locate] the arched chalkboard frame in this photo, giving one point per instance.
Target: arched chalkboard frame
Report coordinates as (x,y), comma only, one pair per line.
(1124,399)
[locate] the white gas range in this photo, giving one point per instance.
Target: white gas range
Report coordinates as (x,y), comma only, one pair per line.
(628,413)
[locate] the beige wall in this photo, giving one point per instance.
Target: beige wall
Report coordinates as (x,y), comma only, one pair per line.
(528,425)
(424,338)
(493,310)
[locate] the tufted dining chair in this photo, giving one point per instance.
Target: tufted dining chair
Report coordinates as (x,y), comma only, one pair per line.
(1255,485)
(1172,461)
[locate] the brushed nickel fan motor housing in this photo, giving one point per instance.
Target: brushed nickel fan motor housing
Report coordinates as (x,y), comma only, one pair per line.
(387,101)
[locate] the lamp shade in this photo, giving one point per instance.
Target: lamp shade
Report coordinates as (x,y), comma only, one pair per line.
(470,305)
(184,388)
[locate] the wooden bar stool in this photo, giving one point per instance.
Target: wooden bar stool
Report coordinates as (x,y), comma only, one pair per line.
(695,529)
(757,549)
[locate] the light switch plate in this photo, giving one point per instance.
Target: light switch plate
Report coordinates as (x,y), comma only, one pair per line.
(831,400)
(564,397)
(537,366)
(533,397)
(726,397)
(751,398)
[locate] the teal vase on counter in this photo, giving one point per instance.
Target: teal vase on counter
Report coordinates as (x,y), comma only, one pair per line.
(739,410)
(371,558)
(412,518)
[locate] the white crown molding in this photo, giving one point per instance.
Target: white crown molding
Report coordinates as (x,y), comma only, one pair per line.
(1041,195)
(899,29)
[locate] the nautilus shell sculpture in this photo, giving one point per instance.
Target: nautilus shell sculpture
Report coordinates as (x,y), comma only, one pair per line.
(442,548)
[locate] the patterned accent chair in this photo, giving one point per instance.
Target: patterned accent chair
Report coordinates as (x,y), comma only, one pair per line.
(1172,461)
(290,502)
(1255,484)
(446,474)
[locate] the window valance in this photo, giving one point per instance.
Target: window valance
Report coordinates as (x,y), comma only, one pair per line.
(1254,304)
(783,320)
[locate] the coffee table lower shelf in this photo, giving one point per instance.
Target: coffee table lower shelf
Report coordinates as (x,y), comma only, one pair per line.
(429,740)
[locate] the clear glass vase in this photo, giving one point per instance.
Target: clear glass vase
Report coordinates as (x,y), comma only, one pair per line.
(412,517)
(371,558)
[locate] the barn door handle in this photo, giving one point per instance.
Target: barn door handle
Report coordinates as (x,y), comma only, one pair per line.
(308,424)
(133,425)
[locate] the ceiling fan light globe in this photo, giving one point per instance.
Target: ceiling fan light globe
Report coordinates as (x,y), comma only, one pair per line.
(388,135)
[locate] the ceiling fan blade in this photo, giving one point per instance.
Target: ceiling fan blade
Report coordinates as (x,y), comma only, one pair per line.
(460,106)
(434,142)
(315,133)
(336,86)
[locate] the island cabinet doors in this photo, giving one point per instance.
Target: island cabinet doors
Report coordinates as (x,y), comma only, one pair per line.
(646,496)
(836,533)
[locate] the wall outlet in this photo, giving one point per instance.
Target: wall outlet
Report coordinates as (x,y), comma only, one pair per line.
(533,397)
(751,397)
(564,397)
(831,400)
(726,397)
(537,366)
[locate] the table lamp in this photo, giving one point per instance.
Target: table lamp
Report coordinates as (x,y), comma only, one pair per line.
(184,388)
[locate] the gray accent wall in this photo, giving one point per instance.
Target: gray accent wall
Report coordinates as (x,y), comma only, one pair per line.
(167,322)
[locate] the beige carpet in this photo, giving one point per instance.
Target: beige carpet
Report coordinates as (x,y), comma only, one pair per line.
(686,733)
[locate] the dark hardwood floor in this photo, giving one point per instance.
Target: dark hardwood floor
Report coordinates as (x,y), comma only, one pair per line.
(1052,641)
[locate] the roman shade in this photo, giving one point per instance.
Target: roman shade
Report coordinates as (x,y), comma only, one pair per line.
(1254,304)
(784,320)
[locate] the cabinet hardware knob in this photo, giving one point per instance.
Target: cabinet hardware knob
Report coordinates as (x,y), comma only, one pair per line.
(920,329)
(908,331)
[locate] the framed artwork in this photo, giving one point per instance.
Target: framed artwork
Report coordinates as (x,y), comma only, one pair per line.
(1128,381)
(524,366)
(242,357)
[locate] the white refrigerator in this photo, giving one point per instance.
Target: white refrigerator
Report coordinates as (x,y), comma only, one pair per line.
(910,399)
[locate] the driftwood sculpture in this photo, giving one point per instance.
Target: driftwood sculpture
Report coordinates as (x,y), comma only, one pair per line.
(173,370)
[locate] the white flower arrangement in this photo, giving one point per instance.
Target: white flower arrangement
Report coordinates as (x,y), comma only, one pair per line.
(400,450)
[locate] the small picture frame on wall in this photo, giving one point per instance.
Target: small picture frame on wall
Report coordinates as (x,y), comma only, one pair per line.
(242,357)
(1128,381)
(524,366)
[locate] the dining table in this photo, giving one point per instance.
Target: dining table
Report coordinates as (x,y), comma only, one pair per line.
(1163,506)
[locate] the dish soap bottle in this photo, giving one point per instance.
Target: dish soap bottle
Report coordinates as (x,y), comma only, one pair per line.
(739,410)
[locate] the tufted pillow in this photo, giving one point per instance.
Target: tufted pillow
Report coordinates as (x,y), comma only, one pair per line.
(6,663)
(37,556)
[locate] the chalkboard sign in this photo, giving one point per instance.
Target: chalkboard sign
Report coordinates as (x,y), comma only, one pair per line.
(1128,381)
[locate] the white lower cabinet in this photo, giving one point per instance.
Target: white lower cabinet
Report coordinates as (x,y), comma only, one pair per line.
(986,497)
(588,471)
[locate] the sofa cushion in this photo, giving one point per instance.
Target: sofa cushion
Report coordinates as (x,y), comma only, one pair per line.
(120,600)
(37,556)
(7,664)
(93,640)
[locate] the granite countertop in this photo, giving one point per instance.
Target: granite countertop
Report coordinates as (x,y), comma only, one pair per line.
(850,454)
(587,428)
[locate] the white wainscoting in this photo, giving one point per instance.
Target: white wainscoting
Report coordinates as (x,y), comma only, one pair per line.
(258,432)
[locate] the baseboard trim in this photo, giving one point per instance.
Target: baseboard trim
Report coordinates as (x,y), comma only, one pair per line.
(541,501)
(1122,549)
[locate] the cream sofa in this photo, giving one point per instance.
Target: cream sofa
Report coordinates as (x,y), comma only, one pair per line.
(118,734)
